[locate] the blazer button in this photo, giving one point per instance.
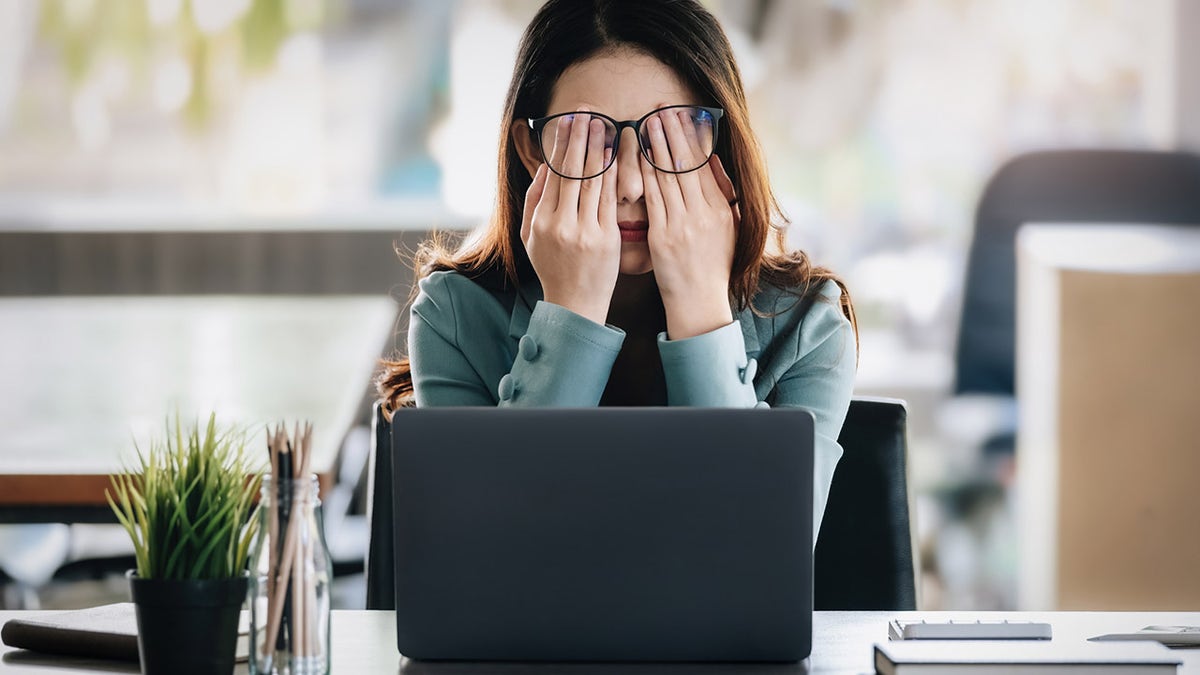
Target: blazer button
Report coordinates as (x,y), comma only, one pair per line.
(747,374)
(527,348)
(762,404)
(508,387)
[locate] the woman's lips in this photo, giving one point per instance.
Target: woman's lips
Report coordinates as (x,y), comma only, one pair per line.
(633,230)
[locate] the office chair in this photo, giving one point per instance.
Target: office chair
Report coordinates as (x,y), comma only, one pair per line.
(1094,186)
(864,555)
(863,558)
(381,561)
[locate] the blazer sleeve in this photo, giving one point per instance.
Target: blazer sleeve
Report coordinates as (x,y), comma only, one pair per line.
(822,382)
(709,370)
(563,359)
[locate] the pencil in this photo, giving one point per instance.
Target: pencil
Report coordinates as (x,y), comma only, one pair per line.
(277,591)
(272,531)
(281,587)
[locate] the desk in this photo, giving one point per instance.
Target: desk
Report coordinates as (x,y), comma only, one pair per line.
(80,378)
(364,642)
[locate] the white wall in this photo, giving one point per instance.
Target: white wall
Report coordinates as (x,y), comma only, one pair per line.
(1187,74)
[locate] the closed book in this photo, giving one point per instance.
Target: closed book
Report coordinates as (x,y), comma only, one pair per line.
(1003,658)
(104,632)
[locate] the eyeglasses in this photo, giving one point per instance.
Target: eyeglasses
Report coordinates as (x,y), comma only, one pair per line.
(686,136)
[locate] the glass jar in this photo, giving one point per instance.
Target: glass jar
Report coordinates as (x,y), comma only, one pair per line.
(290,575)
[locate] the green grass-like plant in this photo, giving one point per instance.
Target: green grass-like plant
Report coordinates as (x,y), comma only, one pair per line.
(189,504)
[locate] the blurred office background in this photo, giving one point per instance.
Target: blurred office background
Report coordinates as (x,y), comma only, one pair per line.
(283,146)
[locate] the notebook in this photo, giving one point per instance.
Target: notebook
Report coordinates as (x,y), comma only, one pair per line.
(603,534)
(104,632)
(1003,658)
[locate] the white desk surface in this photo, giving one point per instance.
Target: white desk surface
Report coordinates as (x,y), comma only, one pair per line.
(84,214)
(81,378)
(365,642)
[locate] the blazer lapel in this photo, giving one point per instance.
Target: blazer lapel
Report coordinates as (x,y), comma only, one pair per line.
(749,332)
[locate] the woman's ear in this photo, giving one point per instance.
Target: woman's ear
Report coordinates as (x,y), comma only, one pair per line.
(522,138)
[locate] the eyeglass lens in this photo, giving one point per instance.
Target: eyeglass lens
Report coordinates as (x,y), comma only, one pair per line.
(678,140)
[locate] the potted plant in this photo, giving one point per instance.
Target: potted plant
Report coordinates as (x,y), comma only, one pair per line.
(188,507)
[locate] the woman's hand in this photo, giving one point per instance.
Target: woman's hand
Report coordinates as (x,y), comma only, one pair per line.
(693,220)
(569,227)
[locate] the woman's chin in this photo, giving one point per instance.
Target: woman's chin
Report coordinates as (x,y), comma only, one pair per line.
(635,258)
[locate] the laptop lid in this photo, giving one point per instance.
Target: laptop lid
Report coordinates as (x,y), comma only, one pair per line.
(603,534)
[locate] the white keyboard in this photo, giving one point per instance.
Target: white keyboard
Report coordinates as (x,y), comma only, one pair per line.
(968,630)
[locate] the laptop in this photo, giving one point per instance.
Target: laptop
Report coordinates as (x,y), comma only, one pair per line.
(603,534)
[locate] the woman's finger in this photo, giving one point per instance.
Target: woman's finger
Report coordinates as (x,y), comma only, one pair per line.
(532,196)
(589,192)
(656,213)
(562,132)
(706,132)
(700,137)
(607,212)
(724,182)
(723,185)
(568,189)
(683,154)
(713,194)
(668,183)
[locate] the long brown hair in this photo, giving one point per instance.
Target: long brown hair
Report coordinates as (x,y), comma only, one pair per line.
(688,39)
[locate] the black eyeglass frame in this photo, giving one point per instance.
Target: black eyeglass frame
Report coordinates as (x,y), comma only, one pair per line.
(536,126)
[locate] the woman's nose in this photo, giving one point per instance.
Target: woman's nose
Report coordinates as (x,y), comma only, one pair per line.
(629,173)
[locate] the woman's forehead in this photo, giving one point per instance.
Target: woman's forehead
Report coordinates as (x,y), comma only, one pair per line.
(623,84)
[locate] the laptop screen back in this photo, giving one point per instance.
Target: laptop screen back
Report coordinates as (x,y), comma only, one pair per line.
(660,534)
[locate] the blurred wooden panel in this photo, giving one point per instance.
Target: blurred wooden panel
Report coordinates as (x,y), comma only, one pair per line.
(1129,438)
(161,262)
(1108,386)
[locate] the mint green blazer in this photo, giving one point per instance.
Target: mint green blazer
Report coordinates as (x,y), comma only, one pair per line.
(472,346)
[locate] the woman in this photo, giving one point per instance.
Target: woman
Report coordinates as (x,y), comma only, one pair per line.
(632,258)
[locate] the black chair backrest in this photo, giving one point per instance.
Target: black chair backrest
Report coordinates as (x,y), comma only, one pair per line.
(1095,186)
(381,556)
(863,558)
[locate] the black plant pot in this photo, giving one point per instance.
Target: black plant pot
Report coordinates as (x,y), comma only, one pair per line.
(187,627)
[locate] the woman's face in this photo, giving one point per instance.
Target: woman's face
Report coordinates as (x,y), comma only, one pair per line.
(625,85)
